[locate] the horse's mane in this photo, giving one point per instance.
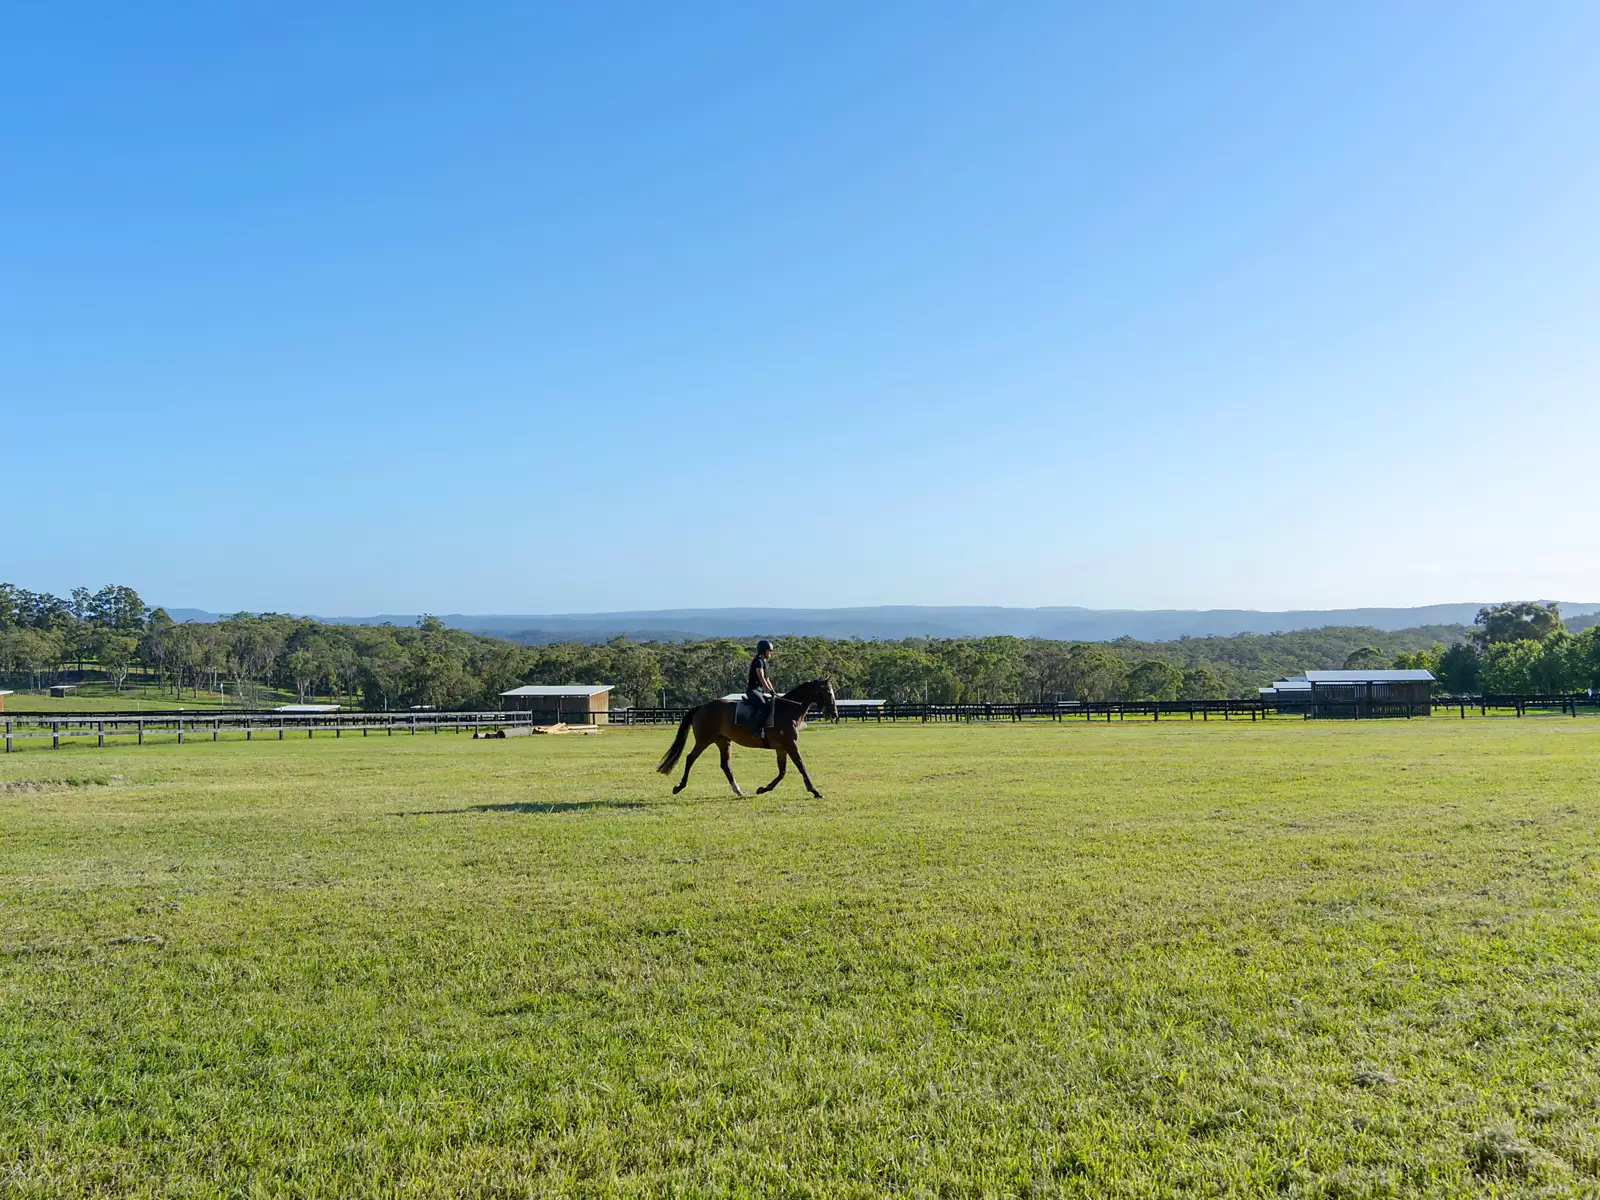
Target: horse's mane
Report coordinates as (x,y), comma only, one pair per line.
(817,684)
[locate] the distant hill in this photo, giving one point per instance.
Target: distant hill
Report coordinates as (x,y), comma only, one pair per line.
(901,621)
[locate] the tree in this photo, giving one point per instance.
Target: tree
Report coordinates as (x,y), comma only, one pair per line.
(1091,673)
(1458,669)
(1586,657)
(636,671)
(309,664)
(154,649)
(1368,658)
(1044,665)
(116,654)
(1154,679)
(1559,667)
(904,676)
(1202,683)
(1509,667)
(119,608)
(29,651)
(1421,660)
(383,666)
(1523,621)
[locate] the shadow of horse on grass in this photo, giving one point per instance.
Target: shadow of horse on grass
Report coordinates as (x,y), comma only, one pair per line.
(528,807)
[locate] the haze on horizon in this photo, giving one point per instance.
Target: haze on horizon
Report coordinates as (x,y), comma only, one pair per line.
(516,310)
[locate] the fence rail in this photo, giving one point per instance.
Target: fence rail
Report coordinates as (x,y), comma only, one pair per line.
(21,728)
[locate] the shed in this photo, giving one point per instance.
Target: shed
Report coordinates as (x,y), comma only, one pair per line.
(1288,695)
(556,703)
(3,694)
(1371,693)
(62,690)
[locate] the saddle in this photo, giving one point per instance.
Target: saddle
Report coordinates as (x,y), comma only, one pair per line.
(757,718)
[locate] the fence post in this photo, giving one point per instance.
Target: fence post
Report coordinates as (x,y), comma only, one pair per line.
(180,731)
(141,731)
(100,731)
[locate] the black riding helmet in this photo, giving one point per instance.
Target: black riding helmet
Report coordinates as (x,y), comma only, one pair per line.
(763,647)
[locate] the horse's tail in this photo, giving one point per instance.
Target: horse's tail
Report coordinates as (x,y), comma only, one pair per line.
(678,743)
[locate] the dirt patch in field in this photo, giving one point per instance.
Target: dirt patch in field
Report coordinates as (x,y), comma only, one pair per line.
(33,787)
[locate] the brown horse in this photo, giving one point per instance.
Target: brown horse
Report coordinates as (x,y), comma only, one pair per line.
(713,722)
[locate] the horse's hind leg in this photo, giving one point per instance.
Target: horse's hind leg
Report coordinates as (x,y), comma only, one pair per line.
(783,767)
(699,749)
(727,765)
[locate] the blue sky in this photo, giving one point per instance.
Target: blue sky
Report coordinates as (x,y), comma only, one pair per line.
(522,308)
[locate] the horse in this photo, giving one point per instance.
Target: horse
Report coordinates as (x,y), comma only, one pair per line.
(713,723)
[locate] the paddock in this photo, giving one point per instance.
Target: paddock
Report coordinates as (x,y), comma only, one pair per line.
(1002,958)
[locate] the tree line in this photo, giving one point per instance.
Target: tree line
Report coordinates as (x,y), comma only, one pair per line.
(1515,650)
(259,658)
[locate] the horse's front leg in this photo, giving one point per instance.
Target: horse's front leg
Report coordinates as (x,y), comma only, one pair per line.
(783,767)
(794,753)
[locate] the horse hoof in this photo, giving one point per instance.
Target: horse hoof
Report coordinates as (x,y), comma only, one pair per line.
(677,789)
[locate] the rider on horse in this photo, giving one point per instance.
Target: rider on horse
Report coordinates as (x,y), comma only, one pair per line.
(758,687)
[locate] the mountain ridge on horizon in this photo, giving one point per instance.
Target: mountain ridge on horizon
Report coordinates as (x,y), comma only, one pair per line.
(895,621)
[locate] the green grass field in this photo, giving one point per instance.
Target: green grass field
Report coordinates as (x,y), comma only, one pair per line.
(102,697)
(1293,959)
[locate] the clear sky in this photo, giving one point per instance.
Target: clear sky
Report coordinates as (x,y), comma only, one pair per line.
(409,307)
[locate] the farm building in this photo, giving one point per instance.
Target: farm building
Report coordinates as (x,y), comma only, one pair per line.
(1354,693)
(3,694)
(61,691)
(572,703)
(1288,695)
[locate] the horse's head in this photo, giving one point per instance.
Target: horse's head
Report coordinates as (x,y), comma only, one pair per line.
(827,702)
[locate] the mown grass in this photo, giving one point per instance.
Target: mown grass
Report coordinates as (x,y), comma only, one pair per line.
(134,697)
(1131,960)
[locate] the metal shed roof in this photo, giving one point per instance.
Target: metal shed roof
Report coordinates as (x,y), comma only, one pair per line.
(559,689)
(1370,676)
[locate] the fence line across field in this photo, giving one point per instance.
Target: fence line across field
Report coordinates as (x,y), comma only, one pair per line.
(177,726)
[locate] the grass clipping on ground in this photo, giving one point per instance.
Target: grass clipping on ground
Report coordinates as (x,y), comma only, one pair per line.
(1297,959)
